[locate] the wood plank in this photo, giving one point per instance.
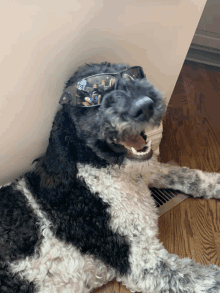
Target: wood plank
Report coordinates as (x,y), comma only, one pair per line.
(192,138)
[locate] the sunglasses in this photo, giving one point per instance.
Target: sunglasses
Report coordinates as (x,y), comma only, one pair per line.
(88,92)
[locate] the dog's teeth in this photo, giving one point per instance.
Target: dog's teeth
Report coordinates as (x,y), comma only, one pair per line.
(149,143)
(147,152)
(134,151)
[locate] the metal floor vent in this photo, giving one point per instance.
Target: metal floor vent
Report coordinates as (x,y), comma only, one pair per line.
(166,199)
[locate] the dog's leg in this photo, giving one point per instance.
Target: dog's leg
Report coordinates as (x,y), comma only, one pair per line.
(194,182)
(154,270)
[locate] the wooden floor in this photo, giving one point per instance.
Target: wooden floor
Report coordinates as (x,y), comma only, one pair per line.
(191,138)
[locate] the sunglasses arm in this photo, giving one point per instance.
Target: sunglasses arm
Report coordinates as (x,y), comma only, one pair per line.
(69,96)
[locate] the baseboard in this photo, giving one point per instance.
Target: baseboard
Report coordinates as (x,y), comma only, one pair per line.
(206,39)
(205,48)
(203,56)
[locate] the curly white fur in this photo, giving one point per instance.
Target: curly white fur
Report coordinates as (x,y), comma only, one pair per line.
(59,267)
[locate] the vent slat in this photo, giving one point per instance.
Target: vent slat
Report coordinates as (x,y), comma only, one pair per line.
(164,194)
(157,200)
(172,192)
(160,195)
(168,194)
(166,199)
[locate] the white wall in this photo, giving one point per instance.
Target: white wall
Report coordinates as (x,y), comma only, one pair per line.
(42,41)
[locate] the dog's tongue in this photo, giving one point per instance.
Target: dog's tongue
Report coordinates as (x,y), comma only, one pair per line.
(135,141)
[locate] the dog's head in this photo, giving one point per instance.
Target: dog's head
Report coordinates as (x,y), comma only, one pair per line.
(115,128)
(112,131)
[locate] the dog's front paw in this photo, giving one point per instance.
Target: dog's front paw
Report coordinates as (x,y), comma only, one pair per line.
(199,184)
(210,185)
(195,278)
(208,280)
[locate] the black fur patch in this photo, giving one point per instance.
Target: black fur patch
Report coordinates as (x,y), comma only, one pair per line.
(19,231)
(81,218)
(12,283)
(65,149)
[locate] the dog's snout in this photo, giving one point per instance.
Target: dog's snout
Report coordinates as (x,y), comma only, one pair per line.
(142,109)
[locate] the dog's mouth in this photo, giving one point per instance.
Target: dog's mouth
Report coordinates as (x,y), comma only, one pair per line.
(137,146)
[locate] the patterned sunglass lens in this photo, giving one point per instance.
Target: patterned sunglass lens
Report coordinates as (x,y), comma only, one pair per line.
(90,90)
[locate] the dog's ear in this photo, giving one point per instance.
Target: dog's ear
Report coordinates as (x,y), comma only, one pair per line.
(58,166)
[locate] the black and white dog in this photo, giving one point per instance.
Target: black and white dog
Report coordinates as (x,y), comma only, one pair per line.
(85,214)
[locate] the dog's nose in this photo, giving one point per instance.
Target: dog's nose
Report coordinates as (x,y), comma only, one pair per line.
(142,109)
